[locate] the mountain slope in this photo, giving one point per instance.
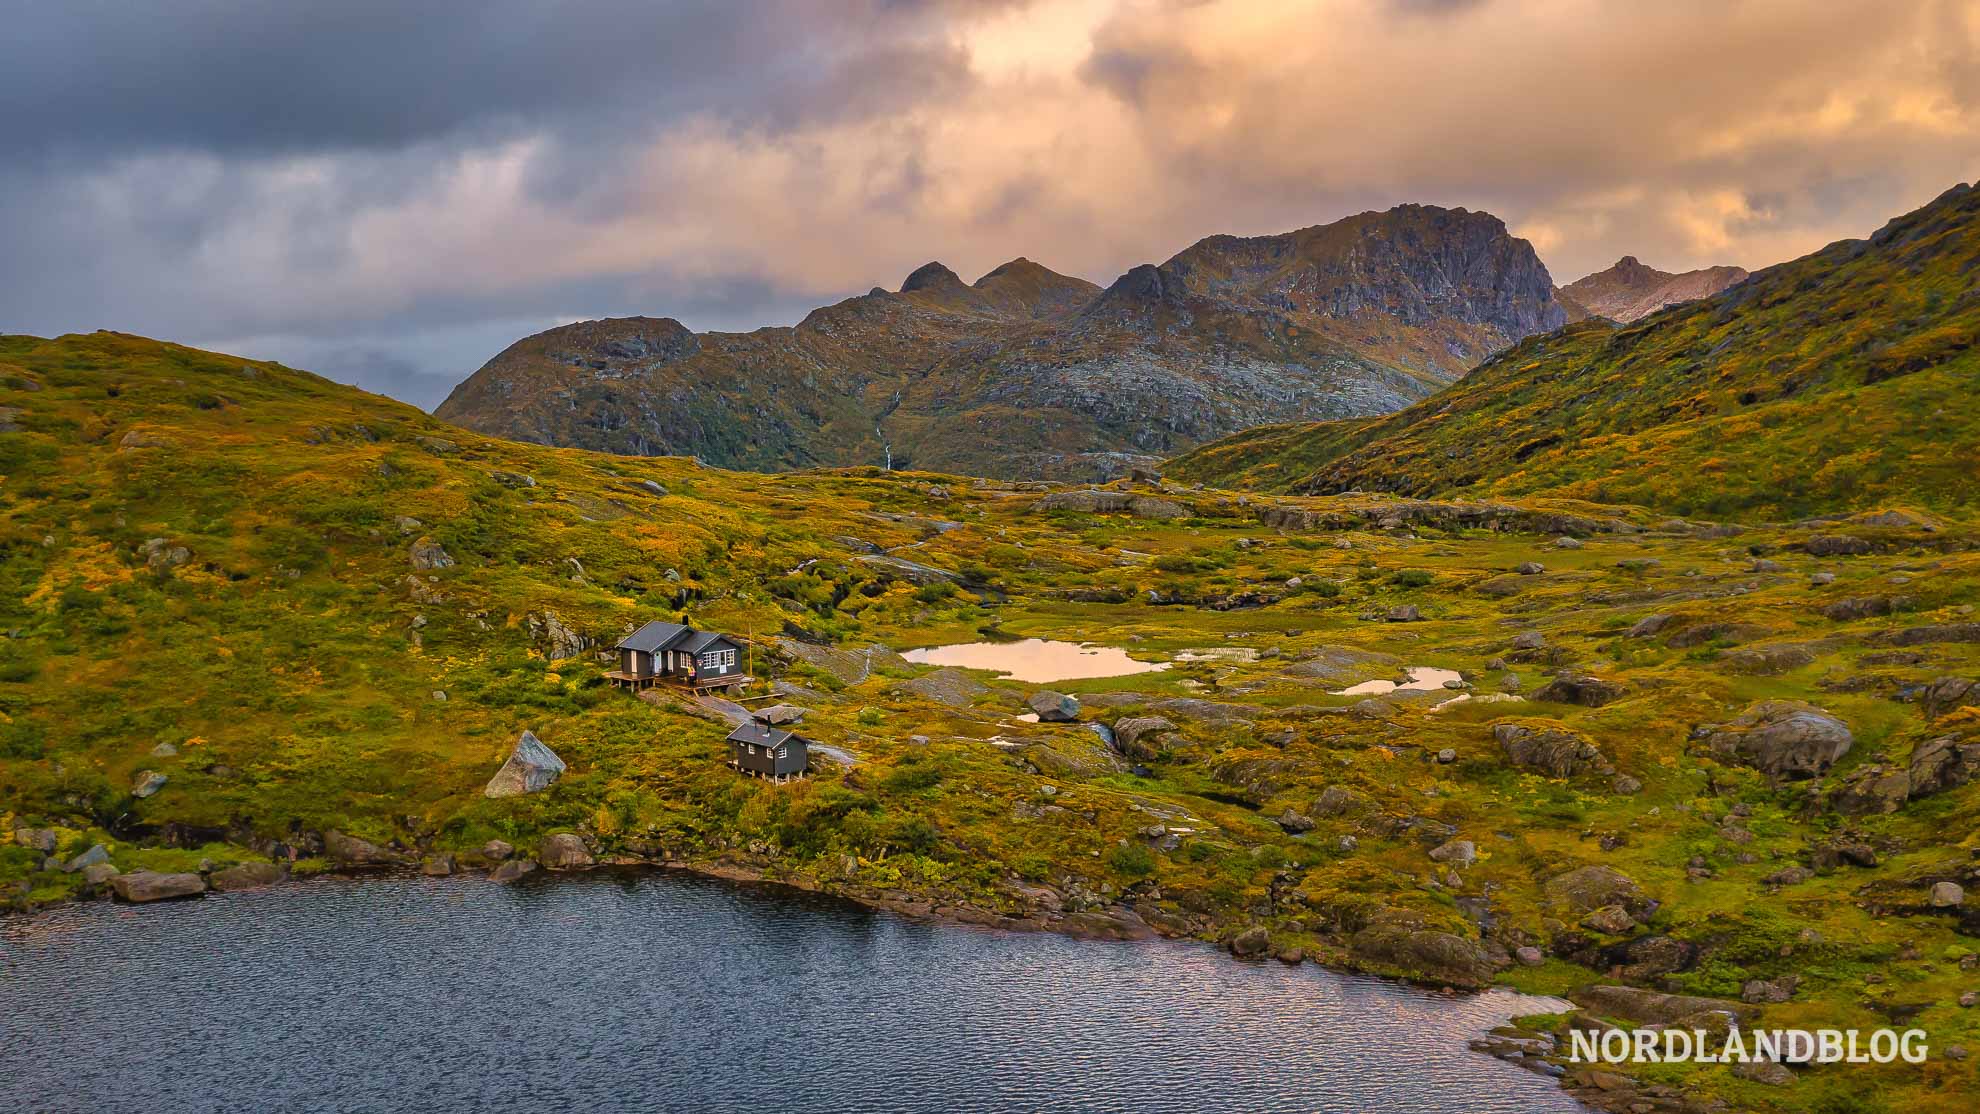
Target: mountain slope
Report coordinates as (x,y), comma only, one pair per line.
(1629,290)
(1833,382)
(1031,373)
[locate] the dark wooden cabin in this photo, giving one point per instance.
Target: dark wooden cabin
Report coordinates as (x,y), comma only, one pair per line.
(674,654)
(766,751)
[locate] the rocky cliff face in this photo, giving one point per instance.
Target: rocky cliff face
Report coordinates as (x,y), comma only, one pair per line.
(1629,290)
(1027,372)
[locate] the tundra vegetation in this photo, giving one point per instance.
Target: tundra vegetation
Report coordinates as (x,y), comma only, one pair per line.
(252,616)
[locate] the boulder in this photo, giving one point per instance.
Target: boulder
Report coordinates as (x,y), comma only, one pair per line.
(1553,751)
(1572,688)
(1864,607)
(496,850)
(512,870)
(1424,953)
(1612,919)
(1782,738)
(1649,626)
(1053,707)
(1946,694)
(531,768)
(437,865)
(1769,991)
(349,850)
(1947,895)
(1530,568)
(97,853)
(1871,791)
(147,783)
(1294,823)
(1253,941)
(1835,545)
(43,840)
(1529,640)
(1586,889)
(98,874)
(564,851)
(1456,852)
(147,885)
(1650,1007)
(1942,763)
(247,876)
(428,554)
(1337,800)
(777,715)
(1406,613)
(1138,736)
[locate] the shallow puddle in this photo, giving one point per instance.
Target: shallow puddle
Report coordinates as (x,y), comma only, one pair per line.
(1422,678)
(1036,659)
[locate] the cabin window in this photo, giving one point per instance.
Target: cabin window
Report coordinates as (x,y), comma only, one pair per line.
(780,753)
(720,659)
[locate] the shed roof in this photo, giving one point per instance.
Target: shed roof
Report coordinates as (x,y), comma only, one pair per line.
(654,637)
(760,735)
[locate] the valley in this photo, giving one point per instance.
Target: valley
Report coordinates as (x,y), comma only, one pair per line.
(255,617)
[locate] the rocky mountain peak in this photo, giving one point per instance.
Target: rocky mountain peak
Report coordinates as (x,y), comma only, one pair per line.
(932,277)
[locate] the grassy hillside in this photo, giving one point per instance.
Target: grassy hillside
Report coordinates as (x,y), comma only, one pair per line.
(1838,381)
(207,572)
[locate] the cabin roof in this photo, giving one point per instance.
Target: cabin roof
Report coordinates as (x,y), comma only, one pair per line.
(760,735)
(654,637)
(697,641)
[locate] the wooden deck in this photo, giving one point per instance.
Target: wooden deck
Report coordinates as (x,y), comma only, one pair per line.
(621,679)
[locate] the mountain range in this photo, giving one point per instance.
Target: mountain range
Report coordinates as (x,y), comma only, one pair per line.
(1030,373)
(1629,290)
(1839,380)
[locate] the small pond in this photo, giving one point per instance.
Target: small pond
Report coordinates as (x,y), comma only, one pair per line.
(1037,660)
(1422,678)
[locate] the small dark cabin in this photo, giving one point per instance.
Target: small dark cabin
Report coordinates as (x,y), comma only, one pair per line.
(765,751)
(679,655)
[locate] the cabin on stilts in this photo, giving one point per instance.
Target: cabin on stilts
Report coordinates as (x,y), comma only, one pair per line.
(672,654)
(768,752)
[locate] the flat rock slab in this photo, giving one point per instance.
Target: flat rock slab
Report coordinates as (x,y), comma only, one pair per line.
(146,885)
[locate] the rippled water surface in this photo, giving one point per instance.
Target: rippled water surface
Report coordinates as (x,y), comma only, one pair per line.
(611,992)
(1037,659)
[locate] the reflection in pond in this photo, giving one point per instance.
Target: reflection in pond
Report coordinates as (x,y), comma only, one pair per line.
(1422,678)
(1036,659)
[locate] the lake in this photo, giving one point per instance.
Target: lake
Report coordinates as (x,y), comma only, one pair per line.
(1037,660)
(646,990)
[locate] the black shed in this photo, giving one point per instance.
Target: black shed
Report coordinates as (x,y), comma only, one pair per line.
(765,751)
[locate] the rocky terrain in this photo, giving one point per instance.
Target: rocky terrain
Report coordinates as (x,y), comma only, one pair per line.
(1674,769)
(1835,382)
(1029,373)
(1629,290)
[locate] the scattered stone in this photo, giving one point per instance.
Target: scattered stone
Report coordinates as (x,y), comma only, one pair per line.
(1835,545)
(1571,688)
(496,850)
(1447,756)
(349,850)
(1252,942)
(564,851)
(512,479)
(1586,889)
(1456,852)
(1612,919)
(531,768)
(247,876)
(1650,625)
(1565,542)
(1762,991)
(1783,738)
(1947,895)
(1549,750)
(141,886)
(1294,823)
(1407,613)
(1053,707)
(1627,785)
(512,870)
(98,873)
(1764,1071)
(43,840)
(97,853)
(1529,956)
(148,782)
(778,715)
(1942,763)
(1136,736)
(164,750)
(428,554)
(438,865)
(1865,607)
(1530,640)
(1531,568)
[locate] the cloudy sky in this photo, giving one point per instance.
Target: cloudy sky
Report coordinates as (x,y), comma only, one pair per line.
(390,192)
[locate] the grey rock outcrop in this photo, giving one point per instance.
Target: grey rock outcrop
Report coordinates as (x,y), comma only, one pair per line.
(1786,739)
(531,768)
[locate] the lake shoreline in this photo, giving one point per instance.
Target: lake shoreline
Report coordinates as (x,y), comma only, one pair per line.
(1112,924)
